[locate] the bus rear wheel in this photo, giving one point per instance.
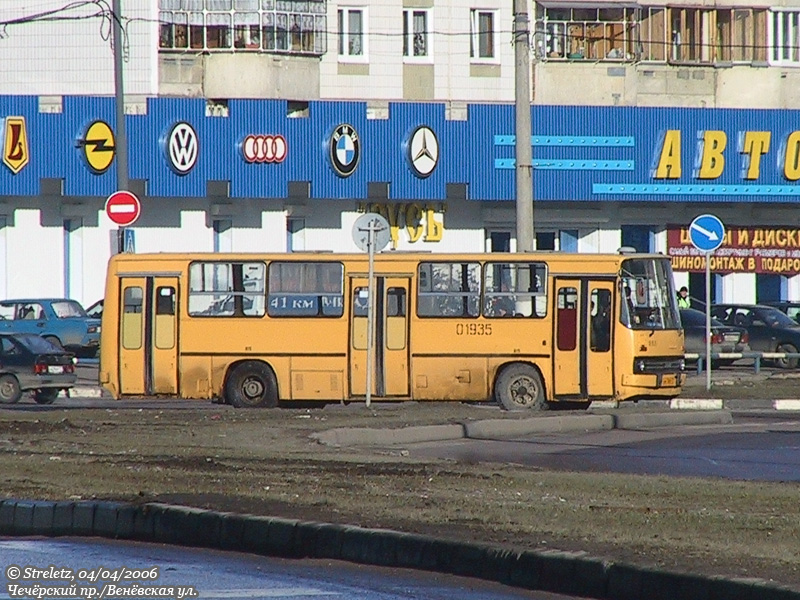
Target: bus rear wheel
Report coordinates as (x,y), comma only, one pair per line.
(520,387)
(251,385)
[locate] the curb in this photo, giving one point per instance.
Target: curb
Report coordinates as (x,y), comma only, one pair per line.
(509,428)
(571,573)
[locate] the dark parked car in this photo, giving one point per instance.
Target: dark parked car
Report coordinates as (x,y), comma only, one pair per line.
(724,338)
(29,362)
(792,309)
(61,321)
(95,311)
(769,329)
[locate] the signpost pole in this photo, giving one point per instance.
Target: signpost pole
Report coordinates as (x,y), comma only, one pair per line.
(371,234)
(708,320)
(370,306)
(117,36)
(707,234)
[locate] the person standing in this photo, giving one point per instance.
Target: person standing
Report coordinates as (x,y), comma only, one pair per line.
(683,298)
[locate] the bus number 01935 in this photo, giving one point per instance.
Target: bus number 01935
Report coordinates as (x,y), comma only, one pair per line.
(473,329)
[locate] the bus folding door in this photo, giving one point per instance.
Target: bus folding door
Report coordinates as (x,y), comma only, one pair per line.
(583,334)
(390,375)
(148,335)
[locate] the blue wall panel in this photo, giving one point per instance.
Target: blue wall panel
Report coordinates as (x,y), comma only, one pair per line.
(78,114)
(43,151)
(580,153)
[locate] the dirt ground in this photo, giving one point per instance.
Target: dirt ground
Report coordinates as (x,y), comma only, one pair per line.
(264,462)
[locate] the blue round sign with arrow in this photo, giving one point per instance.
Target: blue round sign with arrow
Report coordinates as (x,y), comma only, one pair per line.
(707,233)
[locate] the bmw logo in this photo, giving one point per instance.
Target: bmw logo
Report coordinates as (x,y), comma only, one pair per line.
(345,150)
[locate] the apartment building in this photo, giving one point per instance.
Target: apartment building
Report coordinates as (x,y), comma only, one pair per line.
(644,116)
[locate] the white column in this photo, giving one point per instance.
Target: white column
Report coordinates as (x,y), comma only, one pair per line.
(793,288)
(739,288)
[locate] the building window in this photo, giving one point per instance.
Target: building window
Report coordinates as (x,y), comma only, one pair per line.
(653,41)
(352,38)
(481,38)
(416,24)
(784,38)
(739,35)
(587,33)
(292,26)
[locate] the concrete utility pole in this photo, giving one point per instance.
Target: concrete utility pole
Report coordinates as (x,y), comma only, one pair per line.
(522,109)
(119,95)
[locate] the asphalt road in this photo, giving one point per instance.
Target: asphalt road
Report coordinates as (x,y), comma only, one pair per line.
(758,446)
(224,575)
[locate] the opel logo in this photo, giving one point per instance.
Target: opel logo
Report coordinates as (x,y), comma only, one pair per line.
(183,148)
(98,147)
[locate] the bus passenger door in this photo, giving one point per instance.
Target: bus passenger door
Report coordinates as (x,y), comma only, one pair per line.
(148,348)
(567,339)
(599,357)
(390,374)
(131,336)
(584,328)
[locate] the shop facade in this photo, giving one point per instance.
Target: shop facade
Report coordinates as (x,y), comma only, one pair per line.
(263,176)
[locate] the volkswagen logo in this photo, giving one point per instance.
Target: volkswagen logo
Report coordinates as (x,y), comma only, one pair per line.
(423,151)
(183,148)
(345,150)
(264,148)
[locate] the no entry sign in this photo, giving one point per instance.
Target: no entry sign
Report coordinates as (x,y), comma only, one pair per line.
(123,208)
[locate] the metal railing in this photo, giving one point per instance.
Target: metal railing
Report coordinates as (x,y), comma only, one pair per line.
(757,357)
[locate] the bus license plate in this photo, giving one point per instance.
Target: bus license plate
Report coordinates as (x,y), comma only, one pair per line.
(669,381)
(54,370)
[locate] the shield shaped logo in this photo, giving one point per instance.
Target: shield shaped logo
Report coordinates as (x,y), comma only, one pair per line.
(16,152)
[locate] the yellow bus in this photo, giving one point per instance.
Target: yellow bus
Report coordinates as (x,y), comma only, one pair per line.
(525,330)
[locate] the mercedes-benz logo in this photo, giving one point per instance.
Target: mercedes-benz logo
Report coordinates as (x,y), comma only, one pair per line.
(423,151)
(183,148)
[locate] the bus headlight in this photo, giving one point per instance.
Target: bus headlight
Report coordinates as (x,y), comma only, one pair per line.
(639,366)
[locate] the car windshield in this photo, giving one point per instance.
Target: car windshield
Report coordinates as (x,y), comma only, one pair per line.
(36,344)
(65,309)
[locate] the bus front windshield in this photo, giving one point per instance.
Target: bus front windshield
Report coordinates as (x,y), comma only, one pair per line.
(648,294)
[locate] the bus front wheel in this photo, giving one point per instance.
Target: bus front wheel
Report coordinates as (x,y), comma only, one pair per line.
(251,385)
(520,387)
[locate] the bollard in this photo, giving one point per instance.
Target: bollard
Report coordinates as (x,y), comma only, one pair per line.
(757,364)
(699,365)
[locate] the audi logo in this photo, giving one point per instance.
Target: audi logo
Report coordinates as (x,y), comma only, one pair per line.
(264,148)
